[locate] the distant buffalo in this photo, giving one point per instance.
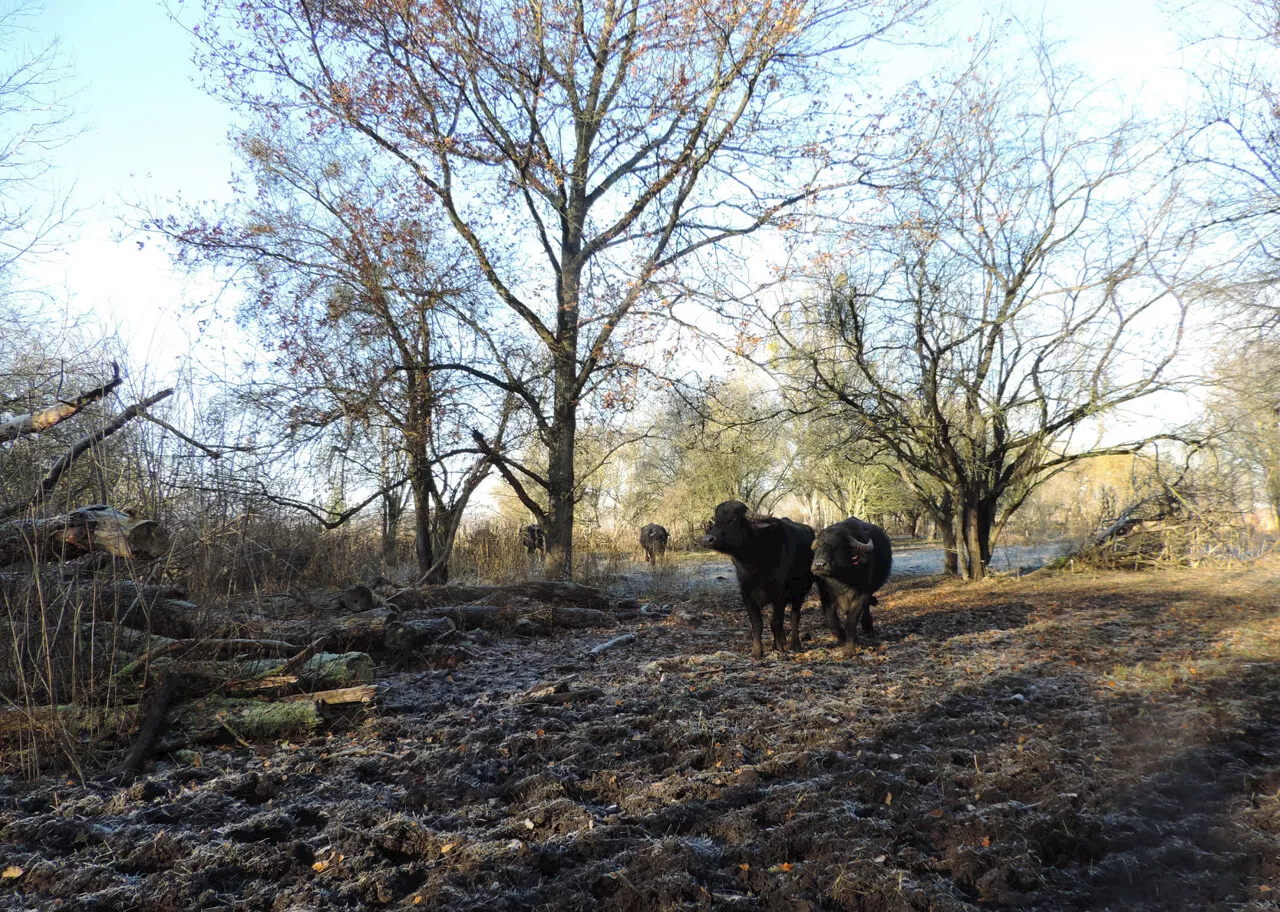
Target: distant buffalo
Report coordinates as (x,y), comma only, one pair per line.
(533,539)
(851,560)
(771,557)
(654,538)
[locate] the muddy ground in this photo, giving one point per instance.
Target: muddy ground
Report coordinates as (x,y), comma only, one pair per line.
(1059,741)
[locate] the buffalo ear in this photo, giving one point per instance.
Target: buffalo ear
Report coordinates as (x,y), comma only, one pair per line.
(814,545)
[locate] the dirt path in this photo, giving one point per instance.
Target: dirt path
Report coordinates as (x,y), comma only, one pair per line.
(1066,742)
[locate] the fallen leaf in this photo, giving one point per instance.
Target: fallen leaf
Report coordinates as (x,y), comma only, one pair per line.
(986,841)
(448,847)
(12,872)
(744,866)
(319,866)
(888,799)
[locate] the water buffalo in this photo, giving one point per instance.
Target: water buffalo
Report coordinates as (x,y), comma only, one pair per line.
(653,538)
(851,560)
(771,557)
(533,539)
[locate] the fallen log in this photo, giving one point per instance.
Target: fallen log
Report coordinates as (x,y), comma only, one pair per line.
(120,533)
(547,591)
(496,617)
(264,677)
(412,634)
(361,693)
(163,646)
(364,631)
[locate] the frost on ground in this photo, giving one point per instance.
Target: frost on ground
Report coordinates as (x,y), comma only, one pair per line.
(1065,741)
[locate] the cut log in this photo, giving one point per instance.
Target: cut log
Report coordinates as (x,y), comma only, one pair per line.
(120,533)
(361,693)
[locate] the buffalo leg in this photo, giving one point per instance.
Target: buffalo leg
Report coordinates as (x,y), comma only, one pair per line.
(859,613)
(795,625)
(829,597)
(778,624)
(757,629)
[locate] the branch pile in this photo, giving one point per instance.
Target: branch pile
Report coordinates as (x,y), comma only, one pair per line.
(1177,525)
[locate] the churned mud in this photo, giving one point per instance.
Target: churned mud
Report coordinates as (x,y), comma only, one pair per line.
(1068,741)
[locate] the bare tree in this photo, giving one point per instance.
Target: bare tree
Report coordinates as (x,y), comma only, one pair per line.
(35,119)
(370,313)
(1234,154)
(1024,283)
(581,150)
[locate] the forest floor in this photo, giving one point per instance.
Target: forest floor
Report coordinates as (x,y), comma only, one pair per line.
(1057,741)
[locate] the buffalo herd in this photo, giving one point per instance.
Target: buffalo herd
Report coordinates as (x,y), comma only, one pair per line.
(777,561)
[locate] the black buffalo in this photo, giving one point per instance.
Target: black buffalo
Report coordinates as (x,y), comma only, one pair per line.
(771,557)
(851,560)
(653,538)
(533,539)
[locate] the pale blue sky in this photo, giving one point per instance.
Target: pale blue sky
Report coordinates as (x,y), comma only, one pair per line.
(152,134)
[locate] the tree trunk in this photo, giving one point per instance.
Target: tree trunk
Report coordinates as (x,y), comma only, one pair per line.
(950,547)
(392,512)
(421,485)
(444,530)
(976,525)
(560,475)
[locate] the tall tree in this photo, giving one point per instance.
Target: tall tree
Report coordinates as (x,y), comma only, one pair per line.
(368,308)
(581,150)
(1025,282)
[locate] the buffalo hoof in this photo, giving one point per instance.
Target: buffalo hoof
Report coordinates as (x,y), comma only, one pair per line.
(850,649)
(757,651)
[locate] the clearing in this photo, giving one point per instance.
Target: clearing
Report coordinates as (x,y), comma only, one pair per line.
(1060,741)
